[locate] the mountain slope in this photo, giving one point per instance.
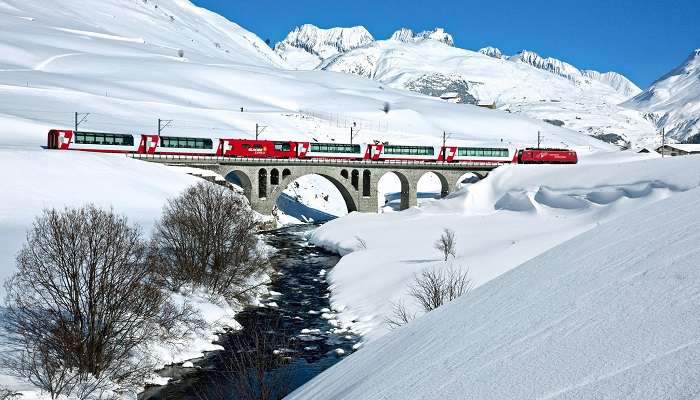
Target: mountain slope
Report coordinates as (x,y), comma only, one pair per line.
(427,62)
(528,84)
(673,101)
(609,314)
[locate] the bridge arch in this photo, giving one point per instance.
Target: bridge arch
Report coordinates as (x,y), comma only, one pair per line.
(345,192)
(442,179)
(274,176)
(262,183)
(406,199)
(468,178)
(240,178)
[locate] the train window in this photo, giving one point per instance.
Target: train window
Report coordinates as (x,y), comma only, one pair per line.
(257,146)
(103,139)
(245,146)
(409,150)
(334,148)
(282,146)
(184,142)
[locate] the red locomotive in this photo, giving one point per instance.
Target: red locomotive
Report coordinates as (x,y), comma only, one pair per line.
(546,156)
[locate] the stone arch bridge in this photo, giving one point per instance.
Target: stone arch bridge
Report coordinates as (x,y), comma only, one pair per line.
(263,180)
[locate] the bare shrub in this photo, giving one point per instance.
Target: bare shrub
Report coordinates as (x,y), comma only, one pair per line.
(361,243)
(206,237)
(400,315)
(447,244)
(7,394)
(437,286)
(431,289)
(83,306)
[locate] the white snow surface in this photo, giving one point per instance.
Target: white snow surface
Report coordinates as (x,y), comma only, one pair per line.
(673,101)
(513,215)
(608,314)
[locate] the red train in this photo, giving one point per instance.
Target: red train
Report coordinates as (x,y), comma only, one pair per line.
(231,147)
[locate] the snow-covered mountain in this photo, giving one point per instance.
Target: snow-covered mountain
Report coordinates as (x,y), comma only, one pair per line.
(406,35)
(615,80)
(527,83)
(306,46)
(673,101)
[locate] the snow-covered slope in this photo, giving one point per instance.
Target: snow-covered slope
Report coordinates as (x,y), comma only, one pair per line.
(618,82)
(673,101)
(541,88)
(35,33)
(306,46)
(609,314)
(615,80)
(500,222)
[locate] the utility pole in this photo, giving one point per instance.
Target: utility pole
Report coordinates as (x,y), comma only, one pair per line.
(82,119)
(259,129)
(444,146)
(162,124)
(538,139)
(353,131)
(663,142)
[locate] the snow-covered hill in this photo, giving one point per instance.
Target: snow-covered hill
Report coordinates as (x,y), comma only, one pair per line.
(500,222)
(609,314)
(526,83)
(617,81)
(673,101)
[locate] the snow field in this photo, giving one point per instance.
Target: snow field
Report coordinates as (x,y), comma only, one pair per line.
(506,219)
(609,314)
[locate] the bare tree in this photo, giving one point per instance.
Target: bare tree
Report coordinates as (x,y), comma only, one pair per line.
(447,244)
(83,306)
(431,289)
(206,237)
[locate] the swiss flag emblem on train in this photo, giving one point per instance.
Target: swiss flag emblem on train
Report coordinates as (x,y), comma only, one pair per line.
(374,151)
(447,154)
(302,149)
(64,139)
(225,148)
(148,144)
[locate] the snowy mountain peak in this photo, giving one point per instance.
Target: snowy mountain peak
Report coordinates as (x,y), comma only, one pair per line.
(403,35)
(492,52)
(326,42)
(617,81)
(550,64)
(673,101)
(438,34)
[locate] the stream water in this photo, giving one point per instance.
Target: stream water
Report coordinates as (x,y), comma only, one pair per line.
(287,340)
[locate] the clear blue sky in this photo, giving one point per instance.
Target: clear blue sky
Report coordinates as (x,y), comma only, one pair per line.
(641,39)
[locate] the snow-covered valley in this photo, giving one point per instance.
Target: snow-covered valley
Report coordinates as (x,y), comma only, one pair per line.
(546,246)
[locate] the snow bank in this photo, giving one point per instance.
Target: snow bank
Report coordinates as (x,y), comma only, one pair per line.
(513,215)
(610,314)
